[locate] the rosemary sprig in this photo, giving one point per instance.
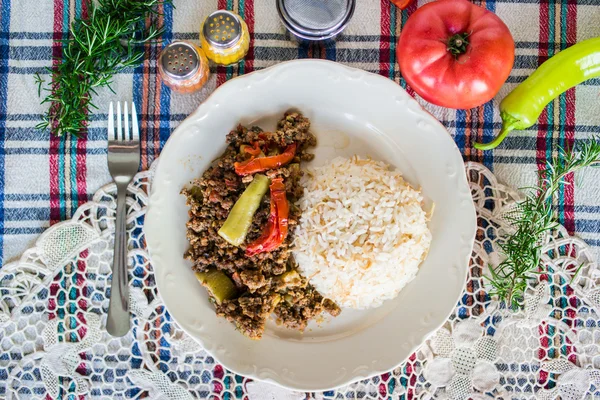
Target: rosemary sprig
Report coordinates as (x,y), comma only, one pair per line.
(97,48)
(532,219)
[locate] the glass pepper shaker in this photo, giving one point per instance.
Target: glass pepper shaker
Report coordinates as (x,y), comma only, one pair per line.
(183,67)
(224,37)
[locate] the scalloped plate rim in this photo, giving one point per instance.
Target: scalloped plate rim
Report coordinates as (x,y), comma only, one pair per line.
(204,107)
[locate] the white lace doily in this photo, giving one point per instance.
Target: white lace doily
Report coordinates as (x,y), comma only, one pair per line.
(53,303)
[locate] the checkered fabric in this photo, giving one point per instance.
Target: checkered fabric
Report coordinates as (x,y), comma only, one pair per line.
(43,179)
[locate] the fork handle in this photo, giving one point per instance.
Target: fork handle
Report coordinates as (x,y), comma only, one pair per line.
(117,323)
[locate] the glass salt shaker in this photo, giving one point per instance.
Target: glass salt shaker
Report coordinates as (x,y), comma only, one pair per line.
(183,67)
(315,20)
(224,37)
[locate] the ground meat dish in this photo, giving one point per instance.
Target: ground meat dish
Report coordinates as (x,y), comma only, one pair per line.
(267,283)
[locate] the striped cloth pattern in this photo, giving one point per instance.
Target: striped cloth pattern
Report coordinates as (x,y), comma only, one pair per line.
(43,179)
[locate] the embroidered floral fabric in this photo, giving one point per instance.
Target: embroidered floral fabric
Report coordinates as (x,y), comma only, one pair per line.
(53,303)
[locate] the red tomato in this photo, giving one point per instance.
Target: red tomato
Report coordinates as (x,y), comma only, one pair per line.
(401,4)
(455,54)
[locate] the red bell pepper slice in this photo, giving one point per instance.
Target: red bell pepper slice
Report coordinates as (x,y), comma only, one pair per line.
(254,150)
(258,164)
(277,227)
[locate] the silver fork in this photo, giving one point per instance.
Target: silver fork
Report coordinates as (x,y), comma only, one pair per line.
(123,164)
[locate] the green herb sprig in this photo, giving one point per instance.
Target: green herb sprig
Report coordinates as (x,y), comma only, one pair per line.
(97,48)
(532,219)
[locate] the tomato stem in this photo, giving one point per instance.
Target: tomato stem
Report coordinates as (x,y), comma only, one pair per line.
(457,44)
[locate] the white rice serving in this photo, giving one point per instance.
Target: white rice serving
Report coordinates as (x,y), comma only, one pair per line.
(363,232)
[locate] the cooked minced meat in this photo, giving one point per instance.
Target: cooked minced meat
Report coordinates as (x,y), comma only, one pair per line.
(267,282)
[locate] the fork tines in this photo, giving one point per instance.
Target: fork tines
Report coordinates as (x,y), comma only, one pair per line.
(128,134)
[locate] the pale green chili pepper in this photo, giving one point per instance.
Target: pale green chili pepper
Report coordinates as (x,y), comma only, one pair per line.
(238,221)
(219,285)
(523,106)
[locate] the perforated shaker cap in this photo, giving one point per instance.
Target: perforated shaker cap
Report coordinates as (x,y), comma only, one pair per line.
(222,29)
(179,60)
(315,19)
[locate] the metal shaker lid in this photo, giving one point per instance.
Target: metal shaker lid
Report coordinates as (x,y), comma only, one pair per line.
(315,19)
(179,60)
(222,29)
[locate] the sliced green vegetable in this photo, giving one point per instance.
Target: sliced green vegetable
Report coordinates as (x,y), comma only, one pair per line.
(218,285)
(294,167)
(290,277)
(238,221)
(289,299)
(196,193)
(276,300)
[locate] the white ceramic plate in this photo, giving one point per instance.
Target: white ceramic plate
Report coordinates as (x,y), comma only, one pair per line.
(352,112)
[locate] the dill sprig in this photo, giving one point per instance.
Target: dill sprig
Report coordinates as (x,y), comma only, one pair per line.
(533,218)
(98,47)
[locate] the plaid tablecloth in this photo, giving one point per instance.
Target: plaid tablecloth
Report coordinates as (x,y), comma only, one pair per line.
(43,179)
